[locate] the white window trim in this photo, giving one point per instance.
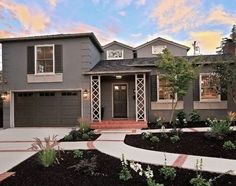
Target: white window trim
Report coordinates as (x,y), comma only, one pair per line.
(35,59)
(111,58)
(161,100)
(200,88)
(157,46)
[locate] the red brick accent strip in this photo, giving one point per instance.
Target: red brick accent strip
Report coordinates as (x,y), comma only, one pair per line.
(111,140)
(193,129)
(90,145)
(180,160)
(5,175)
(134,131)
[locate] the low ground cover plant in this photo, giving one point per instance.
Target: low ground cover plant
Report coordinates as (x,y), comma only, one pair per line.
(47,153)
(167,172)
(181,119)
(78,154)
(194,117)
(84,132)
(229,145)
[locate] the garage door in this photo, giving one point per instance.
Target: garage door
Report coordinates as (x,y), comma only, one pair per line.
(47,109)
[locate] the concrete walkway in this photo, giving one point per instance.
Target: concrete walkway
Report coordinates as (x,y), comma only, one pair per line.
(112,143)
(15,142)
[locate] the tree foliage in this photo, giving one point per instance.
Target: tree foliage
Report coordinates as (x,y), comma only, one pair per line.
(179,72)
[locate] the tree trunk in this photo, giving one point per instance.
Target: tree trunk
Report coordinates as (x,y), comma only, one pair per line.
(174,104)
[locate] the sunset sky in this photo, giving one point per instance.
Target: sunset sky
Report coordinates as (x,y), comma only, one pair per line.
(130,21)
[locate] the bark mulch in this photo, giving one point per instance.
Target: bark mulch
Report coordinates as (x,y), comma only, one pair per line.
(192,143)
(30,173)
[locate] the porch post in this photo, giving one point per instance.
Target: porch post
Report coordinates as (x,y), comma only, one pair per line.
(95,98)
(140,94)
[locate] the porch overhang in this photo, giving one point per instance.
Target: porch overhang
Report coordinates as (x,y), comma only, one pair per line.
(117,72)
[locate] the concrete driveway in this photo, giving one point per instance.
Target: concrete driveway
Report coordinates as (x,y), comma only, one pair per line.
(15,142)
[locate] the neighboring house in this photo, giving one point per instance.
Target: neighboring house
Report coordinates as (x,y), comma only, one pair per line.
(53,80)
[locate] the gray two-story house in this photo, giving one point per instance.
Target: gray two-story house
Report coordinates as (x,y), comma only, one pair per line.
(54,80)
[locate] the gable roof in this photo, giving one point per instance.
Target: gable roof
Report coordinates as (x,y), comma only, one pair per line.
(118,43)
(56,36)
(164,40)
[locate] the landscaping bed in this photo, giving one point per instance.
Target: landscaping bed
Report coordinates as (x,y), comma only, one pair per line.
(30,172)
(192,143)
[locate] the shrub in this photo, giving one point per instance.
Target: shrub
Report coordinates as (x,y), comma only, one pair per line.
(168,172)
(181,119)
(174,138)
(78,154)
(229,145)
(84,125)
(76,134)
(154,139)
(199,181)
(85,136)
(151,182)
(124,174)
(68,137)
(146,135)
(219,128)
(194,117)
(159,121)
(47,154)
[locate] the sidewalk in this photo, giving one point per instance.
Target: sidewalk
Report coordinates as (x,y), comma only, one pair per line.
(112,143)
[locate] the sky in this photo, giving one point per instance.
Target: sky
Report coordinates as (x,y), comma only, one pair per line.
(132,22)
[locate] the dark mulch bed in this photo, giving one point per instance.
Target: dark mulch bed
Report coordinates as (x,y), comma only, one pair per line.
(188,125)
(190,143)
(30,173)
(92,138)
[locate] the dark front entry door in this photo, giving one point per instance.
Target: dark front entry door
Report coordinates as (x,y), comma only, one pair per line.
(120,101)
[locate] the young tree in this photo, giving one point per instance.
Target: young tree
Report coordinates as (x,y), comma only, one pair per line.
(225,81)
(179,72)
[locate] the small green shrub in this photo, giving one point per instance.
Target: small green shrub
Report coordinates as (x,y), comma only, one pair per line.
(219,128)
(199,181)
(151,182)
(84,125)
(194,117)
(181,119)
(47,157)
(229,145)
(78,154)
(164,135)
(76,134)
(68,137)
(124,174)
(174,138)
(85,136)
(168,172)
(159,121)
(146,135)
(154,139)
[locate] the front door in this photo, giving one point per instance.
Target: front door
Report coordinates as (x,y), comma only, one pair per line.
(120,101)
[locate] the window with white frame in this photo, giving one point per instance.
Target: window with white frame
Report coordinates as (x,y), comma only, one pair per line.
(208,91)
(115,54)
(164,93)
(158,49)
(44,59)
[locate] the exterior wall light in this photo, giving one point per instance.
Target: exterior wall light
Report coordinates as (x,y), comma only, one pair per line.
(85,94)
(118,77)
(4,95)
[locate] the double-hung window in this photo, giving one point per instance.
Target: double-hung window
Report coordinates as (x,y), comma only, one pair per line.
(44,59)
(208,91)
(164,94)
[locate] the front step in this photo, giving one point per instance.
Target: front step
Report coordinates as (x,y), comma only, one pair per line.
(120,124)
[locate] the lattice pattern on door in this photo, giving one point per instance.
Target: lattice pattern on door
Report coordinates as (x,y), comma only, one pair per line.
(95,98)
(140,91)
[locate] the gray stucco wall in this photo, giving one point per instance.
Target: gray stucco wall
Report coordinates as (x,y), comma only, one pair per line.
(79,55)
(128,54)
(106,91)
(146,51)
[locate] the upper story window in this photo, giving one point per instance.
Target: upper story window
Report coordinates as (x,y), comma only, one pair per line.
(158,49)
(115,54)
(208,90)
(44,59)
(164,93)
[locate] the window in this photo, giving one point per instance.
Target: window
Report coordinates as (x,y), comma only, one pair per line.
(115,54)
(69,93)
(43,94)
(208,90)
(44,59)
(158,49)
(164,93)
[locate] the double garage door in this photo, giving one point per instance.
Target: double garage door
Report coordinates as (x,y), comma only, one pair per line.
(47,109)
